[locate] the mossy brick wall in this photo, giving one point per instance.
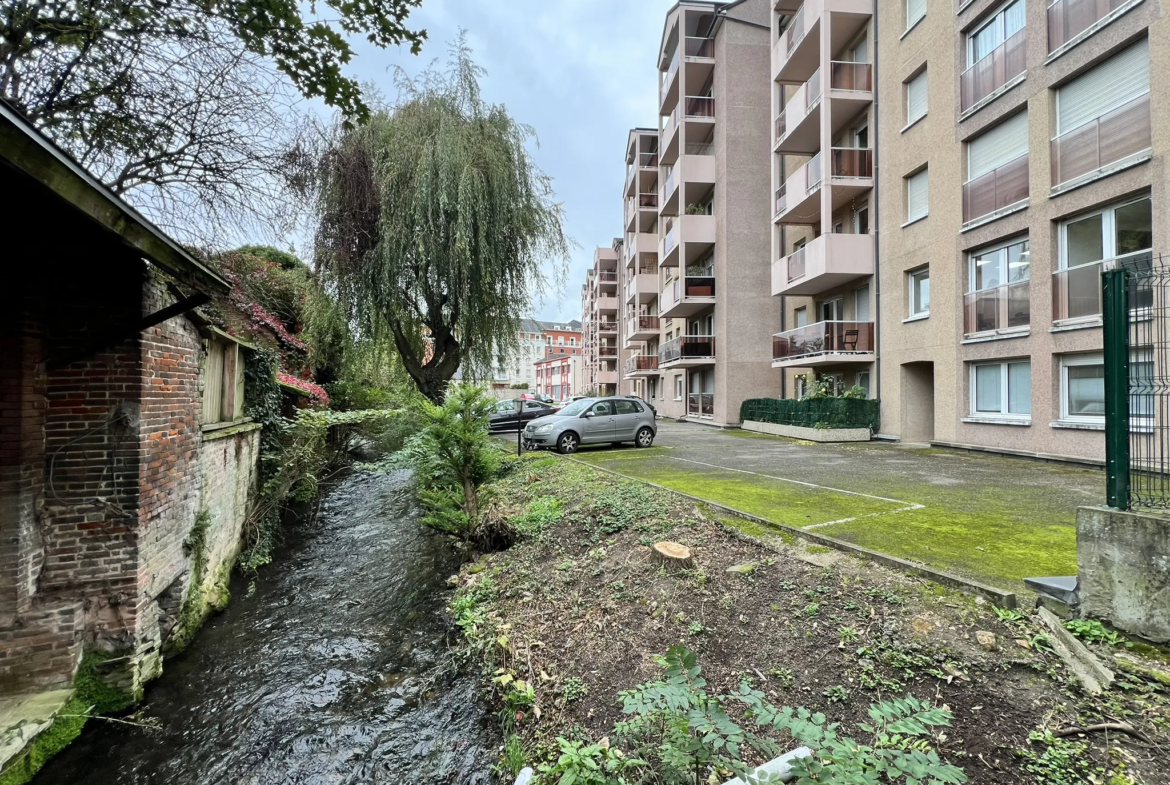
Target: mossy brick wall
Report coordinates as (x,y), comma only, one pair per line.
(101,470)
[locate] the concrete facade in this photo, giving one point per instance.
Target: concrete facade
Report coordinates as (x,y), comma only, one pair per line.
(928,363)
(600,323)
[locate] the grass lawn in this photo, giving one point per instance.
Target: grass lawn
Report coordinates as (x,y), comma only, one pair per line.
(998,532)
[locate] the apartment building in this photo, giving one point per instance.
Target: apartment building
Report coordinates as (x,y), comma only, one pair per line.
(562,337)
(641,285)
(715,309)
(1020,156)
(559,376)
(600,308)
(823,164)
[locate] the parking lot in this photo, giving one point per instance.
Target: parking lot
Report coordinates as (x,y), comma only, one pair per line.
(995,519)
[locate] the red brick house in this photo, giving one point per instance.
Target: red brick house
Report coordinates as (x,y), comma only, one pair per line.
(125,458)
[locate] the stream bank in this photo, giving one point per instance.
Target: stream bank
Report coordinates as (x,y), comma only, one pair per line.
(335,668)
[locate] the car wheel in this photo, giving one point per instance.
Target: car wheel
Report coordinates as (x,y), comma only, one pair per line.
(567,444)
(645,437)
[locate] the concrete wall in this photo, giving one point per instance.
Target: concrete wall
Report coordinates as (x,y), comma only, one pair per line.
(938,240)
(1123,565)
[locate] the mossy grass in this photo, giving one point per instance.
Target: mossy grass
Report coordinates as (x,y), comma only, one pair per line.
(91,697)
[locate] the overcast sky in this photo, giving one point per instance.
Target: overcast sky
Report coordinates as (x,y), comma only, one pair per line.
(581,72)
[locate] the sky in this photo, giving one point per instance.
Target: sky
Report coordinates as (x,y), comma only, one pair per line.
(582,73)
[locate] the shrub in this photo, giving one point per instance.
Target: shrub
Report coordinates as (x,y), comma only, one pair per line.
(814,412)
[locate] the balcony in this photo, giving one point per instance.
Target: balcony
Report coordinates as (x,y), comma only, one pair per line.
(687,351)
(995,71)
(642,365)
(607,326)
(823,343)
(798,127)
(852,162)
(607,352)
(687,296)
(687,238)
(796,54)
(701,405)
(668,138)
(851,77)
(642,287)
(642,328)
(1086,152)
(701,106)
(607,304)
(648,201)
(800,197)
(648,160)
(1002,309)
(668,91)
(697,48)
(997,191)
(607,278)
(825,262)
(607,377)
(1068,19)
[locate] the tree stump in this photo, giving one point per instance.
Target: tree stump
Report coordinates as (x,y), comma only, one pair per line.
(672,555)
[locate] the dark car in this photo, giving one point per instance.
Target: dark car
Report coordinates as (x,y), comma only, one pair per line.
(507,416)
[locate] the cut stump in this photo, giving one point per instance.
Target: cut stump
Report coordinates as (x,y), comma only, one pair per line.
(672,555)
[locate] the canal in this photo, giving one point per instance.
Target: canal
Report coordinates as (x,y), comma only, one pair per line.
(334,669)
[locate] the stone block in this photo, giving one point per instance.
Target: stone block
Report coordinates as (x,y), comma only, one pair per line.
(809,434)
(1123,564)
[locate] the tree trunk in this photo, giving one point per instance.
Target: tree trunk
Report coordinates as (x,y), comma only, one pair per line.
(470,502)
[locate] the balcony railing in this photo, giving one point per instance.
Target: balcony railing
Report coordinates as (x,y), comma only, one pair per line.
(642,362)
(823,338)
(795,32)
(1000,308)
(852,162)
(701,404)
(1006,62)
(669,240)
(996,190)
(647,159)
(647,200)
(606,276)
(781,199)
(667,186)
(1069,18)
(851,76)
(812,91)
(814,177)
(699,47)
(607,351)
(1100,142)
(688,347)
(699,286)
(796,265)
(782,124)
(1076,292)
(671,122)
(670,72)
(609,326)
(700,106)
(642,324)
(700,148)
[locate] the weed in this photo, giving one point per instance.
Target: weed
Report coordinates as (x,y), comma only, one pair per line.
(782,675)
(809,594)
(696,628)
(836,694)
(573,689)
(1059,761)
(512,759)
(540,515)
(727,603)
(1093,631)
(847,635)
(811,609)
(850,605)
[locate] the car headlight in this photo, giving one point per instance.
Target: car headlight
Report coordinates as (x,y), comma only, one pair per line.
(542,429)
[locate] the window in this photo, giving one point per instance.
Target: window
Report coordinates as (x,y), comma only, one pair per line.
(678,388)
(919,292)
(800,317)
(916,98)
(223,382)
(627,407)
(1002,389)
(1002,144)
(917,196)
(1082,386)
(915,10)
(1000,265)
(863,382)
(1115,232)
(1117,81)
(861,304)
(1001,26)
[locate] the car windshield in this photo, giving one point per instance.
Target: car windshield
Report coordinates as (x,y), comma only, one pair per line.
(576,407)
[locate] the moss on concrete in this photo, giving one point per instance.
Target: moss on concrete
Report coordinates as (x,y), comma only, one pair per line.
(92,696)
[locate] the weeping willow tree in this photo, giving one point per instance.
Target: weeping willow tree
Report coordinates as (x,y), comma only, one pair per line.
(435,224)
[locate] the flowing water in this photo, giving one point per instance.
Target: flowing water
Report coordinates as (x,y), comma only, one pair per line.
(335,670)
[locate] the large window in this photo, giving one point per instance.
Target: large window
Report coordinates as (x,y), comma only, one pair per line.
(1002,389)
(1103,116)
(999,27)
(1000,265)
(1082,387)
(1120,235)
(917,196)
(997,169)
(919,293)
(916,98)
(998,289)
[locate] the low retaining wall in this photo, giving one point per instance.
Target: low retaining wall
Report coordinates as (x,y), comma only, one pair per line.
(809,434)
(1123,565)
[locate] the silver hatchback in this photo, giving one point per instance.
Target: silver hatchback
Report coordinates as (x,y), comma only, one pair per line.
(593,421)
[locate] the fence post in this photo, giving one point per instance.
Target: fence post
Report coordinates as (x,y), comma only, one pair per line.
(1115,310)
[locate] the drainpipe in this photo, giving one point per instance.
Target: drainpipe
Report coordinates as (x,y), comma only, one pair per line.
(877,269)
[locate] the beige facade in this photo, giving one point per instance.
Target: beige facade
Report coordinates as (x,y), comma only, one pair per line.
(600,309)
(823,258)
(1040,150)
(641,283)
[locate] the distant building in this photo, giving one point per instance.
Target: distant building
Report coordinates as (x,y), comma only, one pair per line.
(559,376)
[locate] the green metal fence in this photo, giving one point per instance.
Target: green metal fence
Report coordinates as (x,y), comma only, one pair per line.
(814,412)
(1136,314)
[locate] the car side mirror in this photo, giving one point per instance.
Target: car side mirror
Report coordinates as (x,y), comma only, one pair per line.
(587,414)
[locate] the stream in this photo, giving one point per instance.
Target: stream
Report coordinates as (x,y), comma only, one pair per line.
(334,670)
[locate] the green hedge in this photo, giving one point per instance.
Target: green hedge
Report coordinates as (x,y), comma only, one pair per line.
(829,412)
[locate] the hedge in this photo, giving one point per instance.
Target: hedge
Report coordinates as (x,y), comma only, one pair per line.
(809,413)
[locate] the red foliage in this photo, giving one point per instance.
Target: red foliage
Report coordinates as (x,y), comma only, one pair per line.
(316,393)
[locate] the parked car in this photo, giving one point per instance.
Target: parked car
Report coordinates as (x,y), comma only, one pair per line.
(593,421)
(644,402)
(507,415)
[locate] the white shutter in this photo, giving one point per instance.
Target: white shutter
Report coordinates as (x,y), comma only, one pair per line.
(916,98)
(1006,142)
(1117,81)
(917,195)
(915,10)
